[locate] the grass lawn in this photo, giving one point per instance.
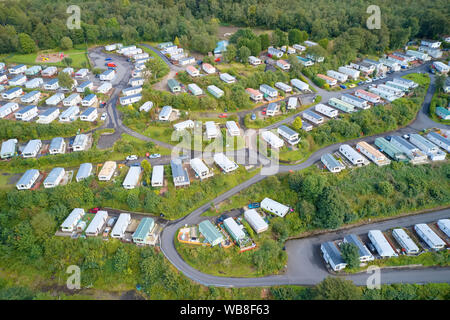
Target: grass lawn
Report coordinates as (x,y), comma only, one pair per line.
(78,55)
(439,100)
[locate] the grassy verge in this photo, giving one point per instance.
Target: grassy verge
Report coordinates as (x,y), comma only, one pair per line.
(439,100)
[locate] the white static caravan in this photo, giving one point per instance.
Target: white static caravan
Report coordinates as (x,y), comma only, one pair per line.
(215,91)
(72,220)
(57,146)
(274,207)
(72,100)
(18,81)
(227,78)
(165,113)
(211,130)
(283,65)
(110,47)
(357,102)
(225,163)
(332,256)
(272,109)
(192,71)
(369,96)
(351,154)
(292,103)
(85,85)
(444,225)
(89,100)
(124,101)
(31,97)
(55,99)
(132,178)
(80,142)
(108,75)
(49,71)
(136,82)
(82,73)
(158,176)
(146,107)
(34,83)
(429,148)
(439,140)
(121,226)
(325,110)
(8,149)
(48,115)
(188,124)
(200,168)
(52,85)
(255,95)
(18,69)
(54,178)
(405,241)
(255,221)
(352,73)
(90,114)
(84,172)
(194,89)
(68,70)
(233,229)
(107,171)
(429,236)
(341,77)
(254,61)
(299,47)
(233,129)
(8,108)
(291,136)
(274,52)
(69,114)
(272,139)
(329,80)
(364,253)
(380,243)
(331,163)
(104,87)
(268,91)
(312,116)
(300,85)
(12,93)
(28,179)
(27,113)
(373,154)
(283,87)
(97,224)
(32,148)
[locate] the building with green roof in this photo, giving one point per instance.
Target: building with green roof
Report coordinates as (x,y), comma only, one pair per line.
(210,232)
(145,227)
(443,113)
(391,150)
(174,85)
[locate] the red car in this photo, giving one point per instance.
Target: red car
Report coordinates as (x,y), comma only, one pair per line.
(111,64)
(263,112)
(94,210)
(223,115)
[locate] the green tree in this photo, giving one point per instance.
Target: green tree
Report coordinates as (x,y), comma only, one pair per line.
(264,40)
(350,254)
(147,169)
(66,43)
(132,200)
(67,61)
(65,80)
(297,124)
(230,54)
(295,36)
(26,44)
(120,260)
(333,288)
(243,54)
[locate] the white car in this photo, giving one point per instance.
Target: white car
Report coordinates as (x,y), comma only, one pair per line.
(131,158)
(368,80)
(103,117)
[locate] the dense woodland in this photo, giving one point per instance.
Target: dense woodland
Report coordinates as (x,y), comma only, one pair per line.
(195,23)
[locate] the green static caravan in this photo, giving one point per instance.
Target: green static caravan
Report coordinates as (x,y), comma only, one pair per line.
(143,230)
(174,85)
(341,105)
(391,150)
(210,232)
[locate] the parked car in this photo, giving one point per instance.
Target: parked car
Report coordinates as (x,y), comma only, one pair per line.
(254,205)
(94,210)
(106,232)
(406,136)
(154,156)
(132,157)
(343,86)
(223,115)
(253,117)
(111,221)
(103,117)
(108,59)
(352,85)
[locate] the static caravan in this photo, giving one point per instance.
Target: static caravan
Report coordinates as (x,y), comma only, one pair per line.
(55,99)
(210,232)
(194,89)
(174,85)
(300,85)
(186,61)
(399,86)
(274,207)
(18,69)
(233,129)
(233,229)
(272,109)
(331,163)
(136,82)
(254,61)
(12,93)
(72,220)
(352,73)
(8,108)
(391,150)
(373,154)
(405,241)
(49,71)
(124,101)
(444,225)
(68,70)
(312,116)
(209,69)
(332,256)
(89,100)
(330,81)
(364,253)
(255,95)
(72,100)
(27,113)
(28,179)
(69,114)
(291,136)
(57,146)
(268,91)
(80,143)
(144,229)
(357,102)
(383,94)
(200,168)
(284,87)
(107,171)
(179,174)
(33,70)
(391,90)
(292,103)
(305,62)
(272,139)
(85,85)
(158,176)
(341,77)
(299,47)
(132,178)
(429,236)
(90,114)
(165,113)
(351,154)
(442,142)
(411,84)
(371,97)
(188,124)
(429,148)
(54,177)
(121,226)
(20,80)
(82,73)
(326,110)
(225,163)
(255,221)
(273,52)
(84,172)
(227,78)
(108,75)
(380,243)
(8,149)
(146,107)
(52,85)
(211,130)
(215,91)
(283,65)
(110,47)
(413,152)
(32,148)
(104,87)
(341,105)
(31,97)
(97,224)
(34,83)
